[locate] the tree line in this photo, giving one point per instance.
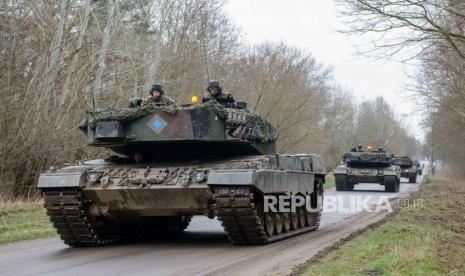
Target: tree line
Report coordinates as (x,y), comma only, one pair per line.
(61,56)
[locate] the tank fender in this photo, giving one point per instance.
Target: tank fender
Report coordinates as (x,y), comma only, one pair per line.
(267,181)
(389,172)
(60,180)
(340,170)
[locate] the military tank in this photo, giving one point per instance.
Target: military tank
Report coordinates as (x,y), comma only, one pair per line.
(407,168)
(175,162)
(366,166)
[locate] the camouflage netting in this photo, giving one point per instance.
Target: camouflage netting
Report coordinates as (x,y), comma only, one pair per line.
(257,128)
(366,157)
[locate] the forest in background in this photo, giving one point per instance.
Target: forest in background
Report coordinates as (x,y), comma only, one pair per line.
(60,56)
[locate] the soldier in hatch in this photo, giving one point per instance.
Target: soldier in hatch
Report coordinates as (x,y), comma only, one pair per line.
(215,92)
(157,96)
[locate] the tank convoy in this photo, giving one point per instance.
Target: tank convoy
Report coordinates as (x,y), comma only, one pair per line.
(174,162)
(367,166)
(408,168)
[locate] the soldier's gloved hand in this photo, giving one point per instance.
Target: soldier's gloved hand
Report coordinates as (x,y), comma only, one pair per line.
(135,102)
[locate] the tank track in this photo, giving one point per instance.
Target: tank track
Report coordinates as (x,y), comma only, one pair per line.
(66,210)
(242,221)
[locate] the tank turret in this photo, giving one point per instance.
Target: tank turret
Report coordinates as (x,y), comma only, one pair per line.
(407,168)
(378,158)
(161,132)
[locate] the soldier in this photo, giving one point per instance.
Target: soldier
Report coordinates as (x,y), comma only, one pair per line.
(215,92)
(359,147)
(157,95)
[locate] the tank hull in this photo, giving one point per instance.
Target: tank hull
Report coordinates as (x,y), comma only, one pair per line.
(347,176)
(166,195)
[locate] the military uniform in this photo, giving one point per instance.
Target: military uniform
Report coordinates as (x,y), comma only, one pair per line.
(222,98)
(165,100)
(161,100)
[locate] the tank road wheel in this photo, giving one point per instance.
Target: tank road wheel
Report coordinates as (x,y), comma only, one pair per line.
(412,178)
(279,220)
(316,203)
(294,218)
(341,182)
(302,216)
(241,213)
(391,184)
(286,222)
(269,223)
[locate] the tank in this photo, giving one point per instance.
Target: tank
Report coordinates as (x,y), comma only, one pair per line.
(408,169)
(361,166)
(176,162)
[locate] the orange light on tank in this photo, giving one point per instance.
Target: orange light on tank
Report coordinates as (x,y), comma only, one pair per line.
(369,147)
(194,99)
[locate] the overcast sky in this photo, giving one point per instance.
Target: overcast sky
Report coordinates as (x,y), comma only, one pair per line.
(312,25)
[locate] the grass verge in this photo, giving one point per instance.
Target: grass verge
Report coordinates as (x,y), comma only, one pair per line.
(329,181)
(23,221)
(427,239)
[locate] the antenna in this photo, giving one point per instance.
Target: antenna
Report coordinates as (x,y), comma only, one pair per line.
(205,59)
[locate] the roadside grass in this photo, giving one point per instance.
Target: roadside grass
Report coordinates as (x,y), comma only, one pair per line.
(23,221)
(329,181)
(425,239)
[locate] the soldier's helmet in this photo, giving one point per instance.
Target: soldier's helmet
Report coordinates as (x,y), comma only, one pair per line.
(157,87)
(359,147)
(214,84)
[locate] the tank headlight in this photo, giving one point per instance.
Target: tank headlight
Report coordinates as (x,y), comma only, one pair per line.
(93,177)
(406,170)
(199,176)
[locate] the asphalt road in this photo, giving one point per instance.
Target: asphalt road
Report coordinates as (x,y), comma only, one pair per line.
(203,249)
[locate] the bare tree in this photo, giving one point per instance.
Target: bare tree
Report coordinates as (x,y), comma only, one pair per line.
(396,25)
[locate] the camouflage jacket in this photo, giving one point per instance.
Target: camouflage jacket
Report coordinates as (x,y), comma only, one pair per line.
(162,100)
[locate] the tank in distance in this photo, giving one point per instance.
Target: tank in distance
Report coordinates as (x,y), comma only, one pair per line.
(367,166)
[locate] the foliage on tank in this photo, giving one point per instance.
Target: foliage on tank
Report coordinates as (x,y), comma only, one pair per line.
(260,130)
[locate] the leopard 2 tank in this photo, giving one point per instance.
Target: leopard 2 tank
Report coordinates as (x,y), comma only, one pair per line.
(367,166)
(175,162)
(408,169)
